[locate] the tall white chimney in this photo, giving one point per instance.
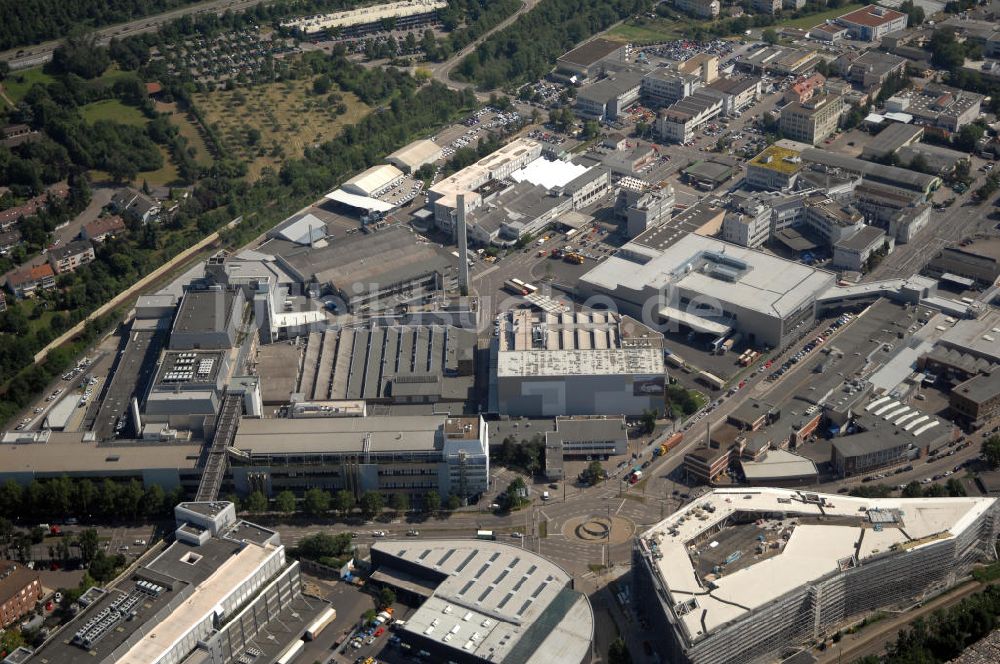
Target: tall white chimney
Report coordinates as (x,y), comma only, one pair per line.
(463,248)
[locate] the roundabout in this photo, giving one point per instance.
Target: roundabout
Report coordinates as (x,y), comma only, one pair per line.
(599,529)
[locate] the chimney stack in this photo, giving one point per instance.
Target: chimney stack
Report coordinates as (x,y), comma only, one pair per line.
(463,248)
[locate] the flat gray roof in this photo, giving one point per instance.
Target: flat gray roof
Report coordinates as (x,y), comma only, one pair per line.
(893,137)
(911,179)
(67,452)
(980,388)
(204,311)
(496,601)
(340,434)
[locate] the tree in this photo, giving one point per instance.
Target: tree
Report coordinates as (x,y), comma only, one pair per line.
(12,639)
(344,502)
(103,567)
(593,473)
(968,137)
(82,56)
(432,501)
(285,502)
(516,493)
(399,502)
(256,502)
(152,501)
(618,652)
(372,503)
(955,488)
(324,545)
(648,420)
(454,502)
(385,598)
(316,502)
(935,491)
(4,69)
(769,35)
(88,542)
(991,451)
(913,490)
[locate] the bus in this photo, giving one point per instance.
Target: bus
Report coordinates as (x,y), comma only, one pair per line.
(515,286)
(711,380)
(485,535)
(570,233)
(528,287)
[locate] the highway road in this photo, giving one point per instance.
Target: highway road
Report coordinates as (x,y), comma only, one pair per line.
(38,54)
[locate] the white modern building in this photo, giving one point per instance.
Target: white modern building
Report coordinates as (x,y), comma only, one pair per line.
(711,287)
(814,563)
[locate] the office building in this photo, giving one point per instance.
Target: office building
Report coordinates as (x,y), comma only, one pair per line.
(854,252)
(774,169)
(977,400)
(712,287)
(813,120)
(871,23)
(388,454)
(815,563)
(574,363)
(223,592)
(703,65)
(662,87)
(749,225)
(737,94)
(679,122)
(607,99)
(485,602)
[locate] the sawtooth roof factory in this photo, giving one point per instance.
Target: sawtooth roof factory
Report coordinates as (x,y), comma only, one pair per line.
(744,575)
(486,602)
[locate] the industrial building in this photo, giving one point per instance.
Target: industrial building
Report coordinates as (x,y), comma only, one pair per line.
(968,348)
(853,252)
(889,434)
(782,60)
(443,196)
(825,161)
(590,60)
(574,363)
(774,169)
(746,575)
(222,593)
(891,139)
(486,602)
(396,364)
(365,271)
(938,106)
(978,262)
(409,159)
(608,98)
(713,288)
(359,21)
(813,120)
(389,454)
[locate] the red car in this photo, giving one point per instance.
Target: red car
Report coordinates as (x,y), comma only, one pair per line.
(379,632)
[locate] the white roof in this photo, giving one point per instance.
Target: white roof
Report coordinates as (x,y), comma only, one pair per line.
(418,153)
(606,361)
(905,118)
(549,173)
(373,179)
(304,230)
(769,285)
(812,550)
(360,202)
(779,463)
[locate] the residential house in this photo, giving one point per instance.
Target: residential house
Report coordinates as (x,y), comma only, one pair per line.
(20,591)
(136,206)
(24,281)
(71,256)
(100,228)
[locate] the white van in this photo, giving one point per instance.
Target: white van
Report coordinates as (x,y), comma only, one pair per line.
(545,495)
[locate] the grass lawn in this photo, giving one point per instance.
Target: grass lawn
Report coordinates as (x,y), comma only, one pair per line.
(816,19)
(17,84)
(287,115)
(163,176)
(646,30)
(112,109)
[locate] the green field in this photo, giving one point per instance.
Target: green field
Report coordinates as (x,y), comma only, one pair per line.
(646,30)
(189,130)
(816,19)
(112,109)
(17,84)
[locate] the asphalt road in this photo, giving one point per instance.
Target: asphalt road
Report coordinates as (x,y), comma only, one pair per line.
(38,54)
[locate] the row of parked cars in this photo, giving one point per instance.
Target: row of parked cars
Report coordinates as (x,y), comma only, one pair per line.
(809,347)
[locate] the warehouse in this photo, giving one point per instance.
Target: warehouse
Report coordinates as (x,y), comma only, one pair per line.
(373,182)
(590,60)
(418,153)
(739,576)
(486,602)
(607,99)
(576,363)
(713,288)
(890,139)
(891,175)
(390,454)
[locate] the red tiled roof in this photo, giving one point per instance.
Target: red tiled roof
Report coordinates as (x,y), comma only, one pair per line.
(26,274)
(153,88)
(867,16)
